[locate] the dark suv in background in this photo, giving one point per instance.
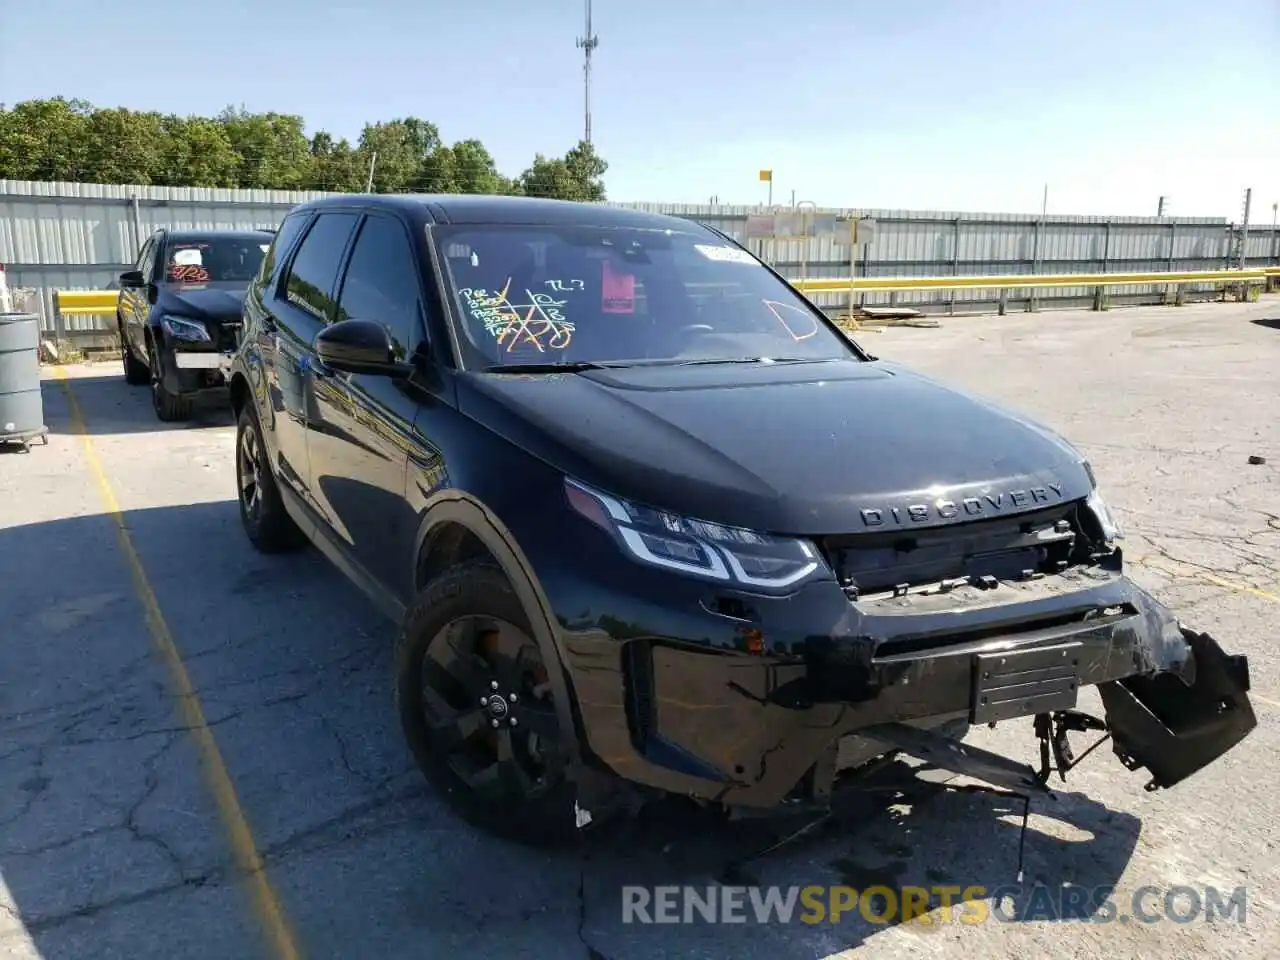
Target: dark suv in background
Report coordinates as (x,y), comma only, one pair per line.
(652,524)
(179,312)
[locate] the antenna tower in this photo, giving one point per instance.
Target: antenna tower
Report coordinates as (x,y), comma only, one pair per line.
(587,44)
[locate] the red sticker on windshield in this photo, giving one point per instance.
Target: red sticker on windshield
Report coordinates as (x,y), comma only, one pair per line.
(618,291)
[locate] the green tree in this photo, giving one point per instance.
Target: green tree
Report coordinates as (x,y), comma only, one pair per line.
(62,139)
(335,165)
(576,176)
(402,148)
(45,140)
(274,152)
(124,146)
(197,152)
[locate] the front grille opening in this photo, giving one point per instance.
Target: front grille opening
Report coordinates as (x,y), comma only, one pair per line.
(1043,542)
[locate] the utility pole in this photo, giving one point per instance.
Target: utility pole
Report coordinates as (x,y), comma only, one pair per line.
(1244,226)
(373,160)
(587,44)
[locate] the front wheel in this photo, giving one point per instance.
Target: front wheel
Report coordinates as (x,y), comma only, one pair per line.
(169,407)
(135,371)
(475,704)
(267,523)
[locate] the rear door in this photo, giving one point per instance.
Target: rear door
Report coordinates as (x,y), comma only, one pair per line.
(360,438)
(301,305)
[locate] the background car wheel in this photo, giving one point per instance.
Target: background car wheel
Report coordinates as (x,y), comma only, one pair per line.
(169,407)
(135,371)
(267,523)
(475,704)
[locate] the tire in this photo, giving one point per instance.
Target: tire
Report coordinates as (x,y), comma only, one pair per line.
(532,802)
(169,407)
(266,522)
(136,372)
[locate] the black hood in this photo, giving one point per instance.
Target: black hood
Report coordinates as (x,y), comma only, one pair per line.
(813,448)
(211,302)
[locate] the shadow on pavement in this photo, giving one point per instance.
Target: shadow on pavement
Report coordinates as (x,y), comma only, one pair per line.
(111,406)
(1272,322)
(111,846)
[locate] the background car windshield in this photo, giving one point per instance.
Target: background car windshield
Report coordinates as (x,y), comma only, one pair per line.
(216,260)
(584,294)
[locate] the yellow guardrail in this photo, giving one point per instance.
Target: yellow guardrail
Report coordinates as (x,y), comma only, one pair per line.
(1010,282)
(86,303)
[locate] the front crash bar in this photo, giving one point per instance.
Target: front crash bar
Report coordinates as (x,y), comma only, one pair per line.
(1174,728)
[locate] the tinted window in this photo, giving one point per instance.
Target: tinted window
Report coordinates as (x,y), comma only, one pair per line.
(382,280)
(226,259)
(552,294)
(285,237)
(315,267)
(146,258)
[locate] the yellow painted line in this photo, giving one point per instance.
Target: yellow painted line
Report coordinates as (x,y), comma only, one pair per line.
(1195,574)
(266,904)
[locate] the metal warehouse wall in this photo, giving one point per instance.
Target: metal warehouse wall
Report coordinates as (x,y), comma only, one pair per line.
(80,236)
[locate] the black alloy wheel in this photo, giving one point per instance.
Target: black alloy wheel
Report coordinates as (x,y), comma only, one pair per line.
(486,702)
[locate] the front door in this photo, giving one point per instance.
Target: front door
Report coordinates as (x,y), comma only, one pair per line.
(360,439)
(135,305)
(300,307)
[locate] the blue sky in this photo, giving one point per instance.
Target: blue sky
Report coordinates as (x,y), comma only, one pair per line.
(910,104)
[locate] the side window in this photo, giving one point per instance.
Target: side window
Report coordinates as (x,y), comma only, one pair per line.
(283,242)
(315,267)
(381,283)
(145,257)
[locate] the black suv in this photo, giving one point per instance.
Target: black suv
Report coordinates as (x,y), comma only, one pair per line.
(652,524)
(179,312)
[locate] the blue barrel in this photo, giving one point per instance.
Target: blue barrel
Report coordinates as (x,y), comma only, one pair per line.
(21,405)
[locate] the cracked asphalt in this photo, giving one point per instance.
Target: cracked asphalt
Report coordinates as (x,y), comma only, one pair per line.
(112,844)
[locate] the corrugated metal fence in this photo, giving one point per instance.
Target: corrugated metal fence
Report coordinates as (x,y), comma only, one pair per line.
(80,236)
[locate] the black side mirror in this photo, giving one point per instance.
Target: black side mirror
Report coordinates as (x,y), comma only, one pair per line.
(359,346)
(131,278)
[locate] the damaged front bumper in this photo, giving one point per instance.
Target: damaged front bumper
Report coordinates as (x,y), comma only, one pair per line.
(776,720)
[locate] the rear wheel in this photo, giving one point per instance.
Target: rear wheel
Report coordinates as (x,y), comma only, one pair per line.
(135,371)
(476,707)
(267,523)
(169,407)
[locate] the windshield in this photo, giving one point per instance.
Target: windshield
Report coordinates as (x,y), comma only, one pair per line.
(214,260)
(584,295)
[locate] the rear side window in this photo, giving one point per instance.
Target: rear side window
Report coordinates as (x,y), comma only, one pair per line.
(283,241)
(382,281)
(315,268)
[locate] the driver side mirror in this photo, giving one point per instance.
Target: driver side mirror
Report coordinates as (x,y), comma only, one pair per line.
(131,278)
(359,346)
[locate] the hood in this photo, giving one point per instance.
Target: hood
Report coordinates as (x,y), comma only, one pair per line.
(208,302)
(806,449)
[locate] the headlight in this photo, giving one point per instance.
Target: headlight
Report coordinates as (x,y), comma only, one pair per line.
(1111,531)
(708,550)
(181,328)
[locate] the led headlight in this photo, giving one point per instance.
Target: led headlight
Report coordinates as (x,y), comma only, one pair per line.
(695,547)
(1111,531)
(180,328)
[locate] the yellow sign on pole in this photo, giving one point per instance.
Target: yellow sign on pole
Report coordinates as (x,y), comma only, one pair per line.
(766,175)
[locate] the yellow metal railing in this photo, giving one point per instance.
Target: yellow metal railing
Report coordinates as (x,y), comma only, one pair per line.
(86,303)
(1010,282)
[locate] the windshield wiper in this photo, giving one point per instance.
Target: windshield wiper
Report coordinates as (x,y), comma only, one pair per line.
(698,363)
(563,366)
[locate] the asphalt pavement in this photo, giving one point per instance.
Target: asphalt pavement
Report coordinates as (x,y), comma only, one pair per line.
(199,755)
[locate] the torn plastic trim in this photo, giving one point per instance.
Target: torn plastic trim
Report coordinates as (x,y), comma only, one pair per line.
(1175,724)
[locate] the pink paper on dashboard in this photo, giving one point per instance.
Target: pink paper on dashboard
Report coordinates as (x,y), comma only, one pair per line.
(618,291)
